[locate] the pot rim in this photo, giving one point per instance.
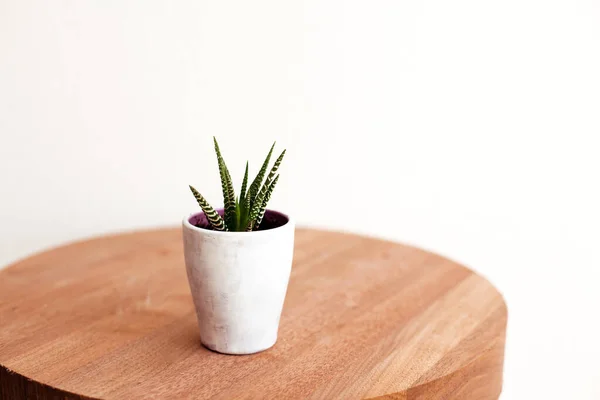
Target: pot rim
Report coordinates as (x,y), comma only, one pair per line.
(188,225)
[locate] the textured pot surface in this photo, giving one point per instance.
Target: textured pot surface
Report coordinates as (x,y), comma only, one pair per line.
(238,282)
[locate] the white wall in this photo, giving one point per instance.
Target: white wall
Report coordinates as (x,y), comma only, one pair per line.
(465,127)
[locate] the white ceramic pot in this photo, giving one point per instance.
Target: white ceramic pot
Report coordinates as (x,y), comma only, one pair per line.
(239,281)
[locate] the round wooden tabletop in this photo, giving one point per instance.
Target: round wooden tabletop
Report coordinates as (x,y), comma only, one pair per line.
(363,318)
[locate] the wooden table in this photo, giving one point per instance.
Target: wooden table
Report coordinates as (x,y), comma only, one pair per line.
(113,318)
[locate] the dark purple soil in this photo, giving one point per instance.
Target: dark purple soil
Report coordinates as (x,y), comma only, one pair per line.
(271,220)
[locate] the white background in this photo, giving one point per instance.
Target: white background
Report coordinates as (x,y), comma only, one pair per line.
(465,127)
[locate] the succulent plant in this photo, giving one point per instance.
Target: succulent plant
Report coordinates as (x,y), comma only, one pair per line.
(246,212)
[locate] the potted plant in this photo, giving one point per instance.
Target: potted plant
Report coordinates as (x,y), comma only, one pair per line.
(238,261)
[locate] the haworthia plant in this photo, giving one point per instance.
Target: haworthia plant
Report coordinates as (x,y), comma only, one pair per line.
(246,212)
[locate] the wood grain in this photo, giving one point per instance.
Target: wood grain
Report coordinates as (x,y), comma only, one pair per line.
(363,318)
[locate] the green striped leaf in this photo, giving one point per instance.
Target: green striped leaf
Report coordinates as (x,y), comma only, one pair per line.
(212,216)
(244,184)
(275,166)
(255,186)
(263,208)
(241,210)
(228,192)
(257,204)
